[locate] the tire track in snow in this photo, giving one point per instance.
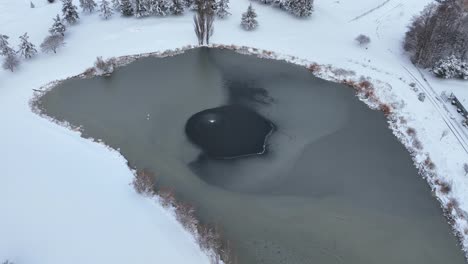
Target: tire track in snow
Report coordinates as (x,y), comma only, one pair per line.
(442,110)
(369,11)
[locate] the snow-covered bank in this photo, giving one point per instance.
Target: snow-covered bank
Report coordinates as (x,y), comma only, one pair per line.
(39,158)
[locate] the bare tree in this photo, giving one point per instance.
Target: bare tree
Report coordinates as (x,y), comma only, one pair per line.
(437,33)
(11,62)
(203,21)
(52,43)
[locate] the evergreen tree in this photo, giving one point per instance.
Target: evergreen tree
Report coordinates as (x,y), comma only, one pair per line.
(222,7)
(141,8)
(32,5)
(248,19)
(126,8)
(116,5)
(161,7)
(189,3)
(58,27)
(69,11)
(300,8)
(105,10)
(11,61)
(5,48)
(26,48)
(177,7)
(88,5)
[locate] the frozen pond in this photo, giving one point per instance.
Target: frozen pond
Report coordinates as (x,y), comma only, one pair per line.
(333,185)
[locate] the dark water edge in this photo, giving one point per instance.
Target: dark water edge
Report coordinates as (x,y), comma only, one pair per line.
(335,186)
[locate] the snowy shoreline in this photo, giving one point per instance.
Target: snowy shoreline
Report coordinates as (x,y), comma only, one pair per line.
(375,94)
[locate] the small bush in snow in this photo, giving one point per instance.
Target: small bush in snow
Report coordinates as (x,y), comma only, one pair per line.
(7,262)
(52,43)
(104,67)
(421,97)
(249,21)
(144,182)
(363,40)
(32,5)
(26,48)
(451,67)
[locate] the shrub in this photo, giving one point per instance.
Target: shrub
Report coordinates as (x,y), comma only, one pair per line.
(104,67)
(451,67)
(52,43)
(144,182)
(363,40)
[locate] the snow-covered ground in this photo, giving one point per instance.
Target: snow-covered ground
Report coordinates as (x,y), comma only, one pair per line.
(65,199)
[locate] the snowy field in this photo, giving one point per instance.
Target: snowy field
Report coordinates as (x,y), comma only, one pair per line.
(65,199)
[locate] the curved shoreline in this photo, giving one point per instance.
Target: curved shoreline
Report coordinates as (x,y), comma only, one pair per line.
(367,91)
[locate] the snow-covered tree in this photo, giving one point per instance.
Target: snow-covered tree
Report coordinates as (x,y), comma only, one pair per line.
(189,3)
(141,8)
(5,48)
(221,10)
(161,7)
(437,33)
(249,21)
(105,10)
(58,27)
(116,5)
(279,3)
(32,5)
(300,8)
(266,2)
(10,62)
(88,5)
(52,43)
(126,8)
(26,48)
(69,11)
(177,7)
(451,67)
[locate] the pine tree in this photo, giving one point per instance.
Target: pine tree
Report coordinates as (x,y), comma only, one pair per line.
(105,10)
(11,61)
(223,6)
(116,5)
(26,48)
(189,3)
(141,8)
(88,5)
(300,8)
(69,11)
(126,8)
(5,48)
(161,7)
(58,27)
(248,19)
(177,7)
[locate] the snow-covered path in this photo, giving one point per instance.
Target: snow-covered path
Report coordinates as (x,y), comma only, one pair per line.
(67,200)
